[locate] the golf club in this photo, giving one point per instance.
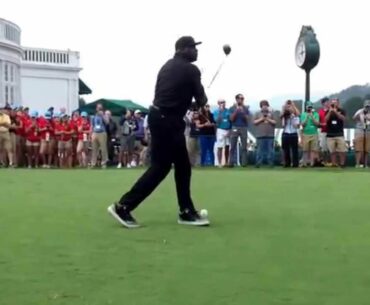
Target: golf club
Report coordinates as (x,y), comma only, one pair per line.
(227,50)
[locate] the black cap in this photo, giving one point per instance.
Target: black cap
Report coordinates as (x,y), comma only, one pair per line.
(324,99)
(184,42)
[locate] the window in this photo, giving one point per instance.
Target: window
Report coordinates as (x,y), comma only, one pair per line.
(6,95)
(6,77)
(12,73)
(12,95)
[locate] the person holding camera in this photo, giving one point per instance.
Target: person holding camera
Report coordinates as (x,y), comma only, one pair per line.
(289,138)
(362,134)
(335,133)
(265,134)
(325,155)
(207,136)
(310,121)
(239,116)
(127,129)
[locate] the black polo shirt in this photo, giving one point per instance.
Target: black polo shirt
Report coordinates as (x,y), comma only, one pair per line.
(178,82)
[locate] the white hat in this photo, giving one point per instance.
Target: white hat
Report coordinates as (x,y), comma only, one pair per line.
(137,111)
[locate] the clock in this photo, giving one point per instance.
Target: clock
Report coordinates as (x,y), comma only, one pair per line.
(300,53)
(307,50)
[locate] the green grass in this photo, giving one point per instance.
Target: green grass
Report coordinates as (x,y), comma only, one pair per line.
(277,237)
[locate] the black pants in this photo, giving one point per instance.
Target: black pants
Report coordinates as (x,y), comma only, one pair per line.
(290,149)
(167,147)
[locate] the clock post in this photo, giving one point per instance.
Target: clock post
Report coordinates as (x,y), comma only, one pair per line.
(307,54)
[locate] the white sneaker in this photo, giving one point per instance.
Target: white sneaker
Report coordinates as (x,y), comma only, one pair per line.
(128,166)
(119,165)
(133,163)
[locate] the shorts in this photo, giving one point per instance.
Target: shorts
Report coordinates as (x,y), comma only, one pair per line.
(64,145)
(5,141)
(337,144)
(359,143)
(310,142)
(222,138)
(32,144)
(127,143)
(82,145)
(323,142)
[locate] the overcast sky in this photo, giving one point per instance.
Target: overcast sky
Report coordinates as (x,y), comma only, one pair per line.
(124,43)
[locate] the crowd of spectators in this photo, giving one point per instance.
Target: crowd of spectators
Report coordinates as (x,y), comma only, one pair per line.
(314,137)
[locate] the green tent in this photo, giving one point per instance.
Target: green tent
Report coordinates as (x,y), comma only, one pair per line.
(115,106)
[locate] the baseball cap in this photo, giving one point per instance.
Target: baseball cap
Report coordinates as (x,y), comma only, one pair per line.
(309,104)
(184,42)
(137,111)
(48,115)
(84,114)
(367,103)
(34,114)
(324,99)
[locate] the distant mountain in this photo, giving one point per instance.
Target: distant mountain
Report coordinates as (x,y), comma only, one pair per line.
(358,91)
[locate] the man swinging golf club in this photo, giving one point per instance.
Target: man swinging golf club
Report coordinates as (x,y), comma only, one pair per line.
(178,82)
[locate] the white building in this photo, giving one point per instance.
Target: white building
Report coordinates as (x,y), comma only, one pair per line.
(34,77)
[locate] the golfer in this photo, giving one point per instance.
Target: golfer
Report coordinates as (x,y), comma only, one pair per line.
(178,82)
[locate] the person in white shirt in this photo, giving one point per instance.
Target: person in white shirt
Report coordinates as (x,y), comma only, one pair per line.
(289,138)
(362,134)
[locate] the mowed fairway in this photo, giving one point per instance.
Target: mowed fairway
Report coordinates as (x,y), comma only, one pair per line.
(277,237)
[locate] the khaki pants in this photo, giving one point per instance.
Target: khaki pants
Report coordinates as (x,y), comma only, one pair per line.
(99,141)
(193,150)
(5,141)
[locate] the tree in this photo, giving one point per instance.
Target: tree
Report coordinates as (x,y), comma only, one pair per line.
(81,102)
(351,106)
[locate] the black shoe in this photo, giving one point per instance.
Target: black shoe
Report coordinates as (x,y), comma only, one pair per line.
(123,216)
(192,218)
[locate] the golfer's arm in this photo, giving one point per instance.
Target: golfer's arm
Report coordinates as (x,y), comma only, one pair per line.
(198,90)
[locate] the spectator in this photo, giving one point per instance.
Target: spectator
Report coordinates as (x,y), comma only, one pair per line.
(111,128)
(139,137)
(33,140)
(362,134)
(192,142)
(65,130)
(19,158)
(83,136)
(239,116)
(265,134)
(325,155)
(222,117)
(310,122)
(206,125)
(335,133)
(99,137)
(127,139)
(289,139)
(47,140)
(13,138)
(147,142)
(5,141)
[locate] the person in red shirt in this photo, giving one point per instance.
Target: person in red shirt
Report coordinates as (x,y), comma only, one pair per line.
(76,118)
(83,135)
(32,140)
(325,156)
(65,130)
(46,134)
(57,121)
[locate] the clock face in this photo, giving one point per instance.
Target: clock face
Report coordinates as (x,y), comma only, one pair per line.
(300,53)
